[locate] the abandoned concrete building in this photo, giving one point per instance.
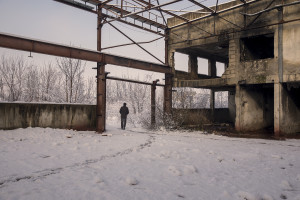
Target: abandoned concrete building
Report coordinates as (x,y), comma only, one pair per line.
(259,44)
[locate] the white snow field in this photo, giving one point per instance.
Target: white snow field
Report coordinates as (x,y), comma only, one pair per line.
(44,163)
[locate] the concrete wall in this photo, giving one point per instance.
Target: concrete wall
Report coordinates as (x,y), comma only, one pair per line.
(255,108)
(199,117)
(287,105)
(66,116)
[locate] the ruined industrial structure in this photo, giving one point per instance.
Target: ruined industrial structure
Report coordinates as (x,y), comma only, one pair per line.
(257,40)
(259,43)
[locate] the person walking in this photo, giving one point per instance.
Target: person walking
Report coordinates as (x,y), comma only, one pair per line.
(124,112)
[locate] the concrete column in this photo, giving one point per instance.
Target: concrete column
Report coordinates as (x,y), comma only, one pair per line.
(238,108)
(226,66)
(277,108)
(212,69)
(231,105)
(193,66)
(286,109)
(212,103)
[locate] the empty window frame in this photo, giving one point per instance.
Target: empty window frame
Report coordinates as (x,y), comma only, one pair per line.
(181,61)
(257,47)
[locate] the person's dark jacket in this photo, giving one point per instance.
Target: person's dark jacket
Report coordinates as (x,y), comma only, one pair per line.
(124,111)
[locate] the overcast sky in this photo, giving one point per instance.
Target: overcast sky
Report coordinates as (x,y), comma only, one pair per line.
(55,22)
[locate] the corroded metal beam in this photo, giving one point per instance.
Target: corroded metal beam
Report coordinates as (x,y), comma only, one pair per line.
(132,81)
(202,6)
(43,47)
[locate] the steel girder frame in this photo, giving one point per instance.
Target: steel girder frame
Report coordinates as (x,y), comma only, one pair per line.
(43,47)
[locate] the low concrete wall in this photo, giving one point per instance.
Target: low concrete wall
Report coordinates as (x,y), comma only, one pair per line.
(66,116)
(202,116)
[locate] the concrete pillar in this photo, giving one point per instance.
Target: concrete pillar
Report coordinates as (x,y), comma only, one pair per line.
(231,105)
(226,66)
(193,66)
(286,109)
(212,69)
(101,97)
(212,104)
(238,108)
(277,109)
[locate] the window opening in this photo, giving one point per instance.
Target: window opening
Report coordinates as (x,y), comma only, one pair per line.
(202,66)
(257,47)
(221,99)
(181,61)
(220,68)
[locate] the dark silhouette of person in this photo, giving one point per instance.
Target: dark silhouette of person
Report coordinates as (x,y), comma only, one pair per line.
(124,112)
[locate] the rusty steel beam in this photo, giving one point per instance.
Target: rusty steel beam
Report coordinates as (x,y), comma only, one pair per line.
(135,43)
(83,7)
(134,16)
(132,81)
(268,6)
(122,45)
(43,47)
(146,9)
(116,9)
(134,25)
(165,11)
(211,14)
(202,6)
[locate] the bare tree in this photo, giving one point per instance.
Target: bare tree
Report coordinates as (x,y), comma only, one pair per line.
(72,71)
(183,98)
(1,88)
(49,79)
(32,85)
(90,91)
(12,70)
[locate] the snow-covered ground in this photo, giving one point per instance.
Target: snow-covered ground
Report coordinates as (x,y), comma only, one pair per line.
(38,163)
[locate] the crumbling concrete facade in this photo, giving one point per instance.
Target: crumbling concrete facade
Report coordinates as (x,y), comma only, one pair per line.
(259,43)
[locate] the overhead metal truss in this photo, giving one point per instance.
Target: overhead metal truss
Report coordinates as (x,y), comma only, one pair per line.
(148,15)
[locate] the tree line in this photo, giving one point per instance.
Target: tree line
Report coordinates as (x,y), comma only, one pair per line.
(62,82)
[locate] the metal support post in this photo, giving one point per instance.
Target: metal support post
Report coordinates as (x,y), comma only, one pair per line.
(101,97)
(153,88)
(101,80)
(168,94)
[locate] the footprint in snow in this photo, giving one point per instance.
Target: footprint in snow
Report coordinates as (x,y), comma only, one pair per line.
(298,177)
(174,171)
(285,185)
(245,195)
(131,181)
(190,169)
